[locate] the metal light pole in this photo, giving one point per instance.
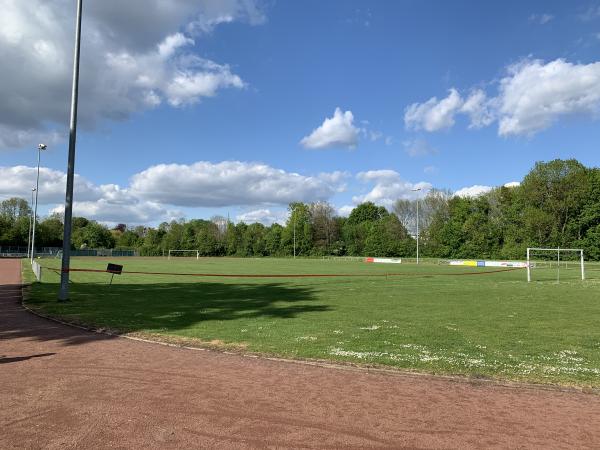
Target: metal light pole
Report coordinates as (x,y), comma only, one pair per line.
(66,256)
(30,222)
(37,188)
(294,216)
(417,190)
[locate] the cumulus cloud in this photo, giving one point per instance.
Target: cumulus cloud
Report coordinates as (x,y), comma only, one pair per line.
(107,203)
(534,95)
(531,97)
(473,191)
(135,55)
(336,131)
(131,213)
(511,184)
(418,147)
(434,114)
(17,181)
(479,109)
(155,194)
(231,183)
(388,187)
(265,216)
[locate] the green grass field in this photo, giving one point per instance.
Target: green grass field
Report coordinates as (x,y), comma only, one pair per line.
(429,318)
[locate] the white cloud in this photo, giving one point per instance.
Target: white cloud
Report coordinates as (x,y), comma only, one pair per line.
(131,213)
(541,19)
(534,95)
(135,55)
(431,170)
(473,191)
(155,193)
(17,181)
(434,114)
(265,216)
(106,203)
(345,210)
(336,131)
(531,97)
(511,184)
(231,183)
(479,109)
(388,188)
(418,147)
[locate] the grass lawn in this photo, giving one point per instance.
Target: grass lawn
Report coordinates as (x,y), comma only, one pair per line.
(428,318)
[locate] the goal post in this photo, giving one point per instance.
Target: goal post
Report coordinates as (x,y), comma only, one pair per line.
(181,253)
(555,255)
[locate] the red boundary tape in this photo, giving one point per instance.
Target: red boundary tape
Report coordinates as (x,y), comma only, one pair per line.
(300,275)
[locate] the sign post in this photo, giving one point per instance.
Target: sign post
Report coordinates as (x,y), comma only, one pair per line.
(113,269)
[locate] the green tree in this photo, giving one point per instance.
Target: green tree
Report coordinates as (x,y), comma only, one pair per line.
(93,235)
(367,212)
(273,240)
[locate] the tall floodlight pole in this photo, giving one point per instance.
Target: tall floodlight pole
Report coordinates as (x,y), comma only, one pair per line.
(30,222)
(37,188)
(294,218)
(417,190)
(66,256)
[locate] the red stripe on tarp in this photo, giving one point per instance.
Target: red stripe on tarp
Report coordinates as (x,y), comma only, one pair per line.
(298,275)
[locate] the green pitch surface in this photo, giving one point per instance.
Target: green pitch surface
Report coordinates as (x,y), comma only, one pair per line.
(427,318)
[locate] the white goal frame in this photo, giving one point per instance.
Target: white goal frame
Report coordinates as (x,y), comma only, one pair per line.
(197,252)
(557,250)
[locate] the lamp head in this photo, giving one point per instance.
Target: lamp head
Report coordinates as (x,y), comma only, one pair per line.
(42,147)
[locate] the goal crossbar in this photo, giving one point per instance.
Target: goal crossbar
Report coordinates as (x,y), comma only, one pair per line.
(197,252)
(558,250)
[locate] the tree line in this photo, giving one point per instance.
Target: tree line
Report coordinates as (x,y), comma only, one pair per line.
(556,204)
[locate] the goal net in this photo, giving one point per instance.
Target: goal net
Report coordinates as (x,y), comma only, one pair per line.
(545,264)
(184,253)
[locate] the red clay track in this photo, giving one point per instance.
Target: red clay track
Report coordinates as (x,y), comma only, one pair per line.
(62,387)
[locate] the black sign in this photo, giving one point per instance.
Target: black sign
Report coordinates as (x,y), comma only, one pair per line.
(114,269)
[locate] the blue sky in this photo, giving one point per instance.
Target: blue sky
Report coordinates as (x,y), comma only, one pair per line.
(430,94)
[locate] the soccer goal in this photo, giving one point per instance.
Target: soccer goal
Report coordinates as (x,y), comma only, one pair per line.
(548,260)
(184,253)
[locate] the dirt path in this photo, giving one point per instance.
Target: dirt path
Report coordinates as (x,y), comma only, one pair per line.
(65,388)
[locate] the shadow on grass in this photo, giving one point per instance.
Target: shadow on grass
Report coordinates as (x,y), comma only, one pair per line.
(17,323)
(173,306)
